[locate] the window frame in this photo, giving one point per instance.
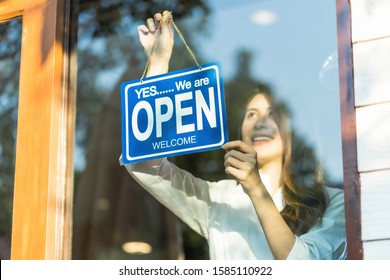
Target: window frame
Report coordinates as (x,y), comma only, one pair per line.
(348,131)
(43,186)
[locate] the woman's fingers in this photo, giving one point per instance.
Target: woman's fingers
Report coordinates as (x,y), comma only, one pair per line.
(237,145)
(143,29)
(239,157)
(157,17)
(151,24)
(241,162)
(166,21)
(235,161)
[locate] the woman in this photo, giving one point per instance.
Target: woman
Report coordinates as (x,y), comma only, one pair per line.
(260,215)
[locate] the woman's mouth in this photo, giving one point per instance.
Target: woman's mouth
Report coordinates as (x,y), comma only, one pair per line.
(261,139)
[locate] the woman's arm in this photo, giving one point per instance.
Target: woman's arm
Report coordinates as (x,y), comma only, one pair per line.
(164,40)
(185,195)
(241,162)
(324,241)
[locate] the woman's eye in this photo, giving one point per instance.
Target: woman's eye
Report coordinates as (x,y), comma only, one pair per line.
(250,115)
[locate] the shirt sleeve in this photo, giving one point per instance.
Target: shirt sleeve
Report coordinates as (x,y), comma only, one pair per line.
(185,195)
(325,241)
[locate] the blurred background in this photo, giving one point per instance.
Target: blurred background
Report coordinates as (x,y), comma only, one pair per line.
(289,46)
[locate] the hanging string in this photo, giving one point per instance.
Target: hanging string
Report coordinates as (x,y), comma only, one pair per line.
(185,43)
(155,45)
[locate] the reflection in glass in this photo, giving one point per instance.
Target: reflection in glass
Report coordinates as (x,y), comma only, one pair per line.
(10,43)
(114,218)
(328,73)
(281,44)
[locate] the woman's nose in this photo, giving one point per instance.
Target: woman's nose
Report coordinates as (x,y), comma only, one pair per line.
(261,122)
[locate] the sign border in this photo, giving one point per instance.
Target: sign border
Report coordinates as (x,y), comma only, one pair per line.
(125,116)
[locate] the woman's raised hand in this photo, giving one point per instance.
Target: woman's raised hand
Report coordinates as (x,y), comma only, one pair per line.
(159,60)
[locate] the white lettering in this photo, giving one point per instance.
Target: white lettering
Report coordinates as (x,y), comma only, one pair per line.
(153,91)
(181,112)
(203,109)
(160,117)
(209,111)
(142,136)
(139,91)
(146,92)
(183,141)
(201,82)
(183,84)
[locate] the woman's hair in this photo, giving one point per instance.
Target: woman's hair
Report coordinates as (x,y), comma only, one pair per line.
(305,197)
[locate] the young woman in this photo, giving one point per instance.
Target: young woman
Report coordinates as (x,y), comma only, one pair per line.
(262,214)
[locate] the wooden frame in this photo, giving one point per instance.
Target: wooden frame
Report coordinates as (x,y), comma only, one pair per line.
(348,130)
(44,162)
(43,189)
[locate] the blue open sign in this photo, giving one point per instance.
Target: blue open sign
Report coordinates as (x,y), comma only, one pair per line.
(172,114)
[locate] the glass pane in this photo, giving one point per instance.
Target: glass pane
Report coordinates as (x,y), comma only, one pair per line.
(10,44)
(289,46)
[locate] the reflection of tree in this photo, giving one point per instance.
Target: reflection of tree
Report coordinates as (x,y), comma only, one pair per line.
(110,208)
(10,42)
(108,44)
(305,165)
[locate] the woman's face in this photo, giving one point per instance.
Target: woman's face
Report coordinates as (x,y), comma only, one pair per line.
(260,130)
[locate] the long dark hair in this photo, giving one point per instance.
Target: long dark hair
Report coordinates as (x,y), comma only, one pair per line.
(305,199)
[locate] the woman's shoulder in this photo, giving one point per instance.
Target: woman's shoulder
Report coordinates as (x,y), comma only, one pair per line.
(336,199)
(334,192)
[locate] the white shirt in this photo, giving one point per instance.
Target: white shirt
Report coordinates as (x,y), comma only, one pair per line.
(223,214)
